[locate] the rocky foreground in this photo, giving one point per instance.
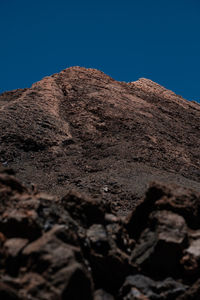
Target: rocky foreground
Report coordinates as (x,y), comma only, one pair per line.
(77,248)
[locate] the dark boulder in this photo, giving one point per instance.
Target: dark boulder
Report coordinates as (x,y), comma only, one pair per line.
(167,289)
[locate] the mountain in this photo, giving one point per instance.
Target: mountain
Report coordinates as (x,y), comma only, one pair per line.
(95,144)
(82,129)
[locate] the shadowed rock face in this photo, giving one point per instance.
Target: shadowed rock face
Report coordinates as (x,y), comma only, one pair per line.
(82,129)
(76,247)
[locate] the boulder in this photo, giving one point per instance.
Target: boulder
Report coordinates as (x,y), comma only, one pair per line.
(160,246)
(144,288)
(83,209)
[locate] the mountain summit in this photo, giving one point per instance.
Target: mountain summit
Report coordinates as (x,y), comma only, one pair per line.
(82,129)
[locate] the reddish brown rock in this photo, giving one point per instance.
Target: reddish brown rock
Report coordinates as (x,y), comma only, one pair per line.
(174,198)
(160,246)
(84,209)
(82,129)
(69,249)
(14,246)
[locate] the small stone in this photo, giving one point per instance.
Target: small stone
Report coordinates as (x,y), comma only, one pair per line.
(110,218)
(105,189)
(191,259)
(98,238)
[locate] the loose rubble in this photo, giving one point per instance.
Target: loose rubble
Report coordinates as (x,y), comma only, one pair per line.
(77,248)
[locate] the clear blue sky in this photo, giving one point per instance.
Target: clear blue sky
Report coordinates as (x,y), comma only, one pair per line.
(129,39)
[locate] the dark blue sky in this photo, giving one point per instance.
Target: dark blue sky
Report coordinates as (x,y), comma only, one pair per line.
(129,39)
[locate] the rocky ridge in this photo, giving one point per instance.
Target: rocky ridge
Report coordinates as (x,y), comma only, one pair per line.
(82,129)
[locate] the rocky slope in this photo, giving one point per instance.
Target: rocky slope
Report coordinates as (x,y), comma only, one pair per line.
(77,248)
(82,129)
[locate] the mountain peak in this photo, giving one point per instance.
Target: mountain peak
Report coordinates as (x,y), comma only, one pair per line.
(148,85)
(82,71)
(82,128)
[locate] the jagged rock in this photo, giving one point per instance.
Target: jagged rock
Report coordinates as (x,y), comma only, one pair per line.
(151,289)
(183,202)
(65,244)
(135,294)
(7,293)
(14,246)
(60,266)
(102,295)
(138,218)
(160,197)
(33,286)
(98,238)
(106,259)
(118,237)
(16,223)
(192,292)
(171,227)
(55,245)
(84,209)
(194,249)
(13,186)
(159,248)
(11,252)
(58,263)
(50,259)
(191,255)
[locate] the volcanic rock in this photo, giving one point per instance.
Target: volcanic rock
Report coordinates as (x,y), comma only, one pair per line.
(95,144)
(137,284)
(81,129)
(160,246)
(46,251)
(192,293)
(51,253)
(102,295)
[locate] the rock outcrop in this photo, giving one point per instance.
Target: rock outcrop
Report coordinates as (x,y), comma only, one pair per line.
(77,248)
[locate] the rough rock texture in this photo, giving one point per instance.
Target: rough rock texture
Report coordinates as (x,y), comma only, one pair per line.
(76,247)
(150,289)
(94,144)
(82,129)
